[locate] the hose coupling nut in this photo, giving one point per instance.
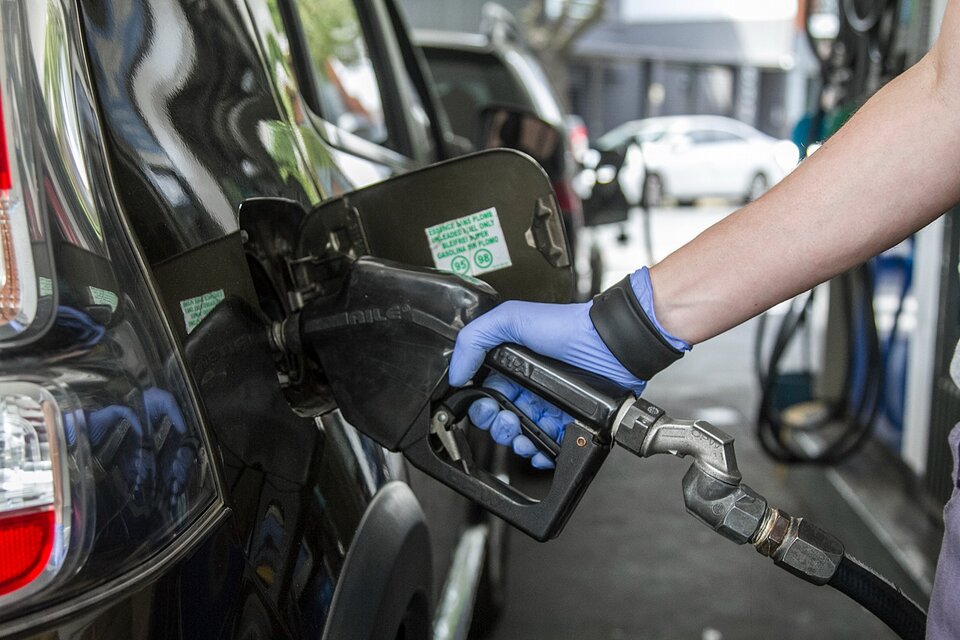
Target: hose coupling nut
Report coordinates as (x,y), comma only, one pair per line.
(799,546)
(772,532)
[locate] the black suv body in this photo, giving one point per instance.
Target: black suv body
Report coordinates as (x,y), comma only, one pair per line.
(164,486)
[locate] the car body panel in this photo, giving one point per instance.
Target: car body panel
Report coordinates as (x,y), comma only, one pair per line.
(183,114)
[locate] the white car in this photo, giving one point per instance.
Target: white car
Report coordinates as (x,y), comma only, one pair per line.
(690,157)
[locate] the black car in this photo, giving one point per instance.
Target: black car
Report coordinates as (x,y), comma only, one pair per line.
(155,481)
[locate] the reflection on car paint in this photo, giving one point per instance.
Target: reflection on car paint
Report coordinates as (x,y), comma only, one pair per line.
(207,137)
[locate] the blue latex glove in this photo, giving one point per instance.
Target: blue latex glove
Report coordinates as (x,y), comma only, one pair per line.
(561,331)
(504,426)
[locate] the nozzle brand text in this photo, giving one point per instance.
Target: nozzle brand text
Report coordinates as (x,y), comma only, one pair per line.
(513,363)
(360,316)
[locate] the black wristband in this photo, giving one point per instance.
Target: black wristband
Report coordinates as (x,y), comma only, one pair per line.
(630,335)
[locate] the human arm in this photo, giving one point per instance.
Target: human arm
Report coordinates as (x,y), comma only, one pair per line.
(888,172)
(892,169)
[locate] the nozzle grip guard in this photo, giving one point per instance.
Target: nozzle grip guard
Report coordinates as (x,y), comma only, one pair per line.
(581,456)
(594,402)
(459,402)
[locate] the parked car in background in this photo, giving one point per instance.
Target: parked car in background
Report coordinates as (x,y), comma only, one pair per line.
(578,135)
(691,157)
(474,73)
(164,474)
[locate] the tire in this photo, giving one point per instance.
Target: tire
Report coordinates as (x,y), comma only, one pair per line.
(758,186)
(416,621)
(653,192)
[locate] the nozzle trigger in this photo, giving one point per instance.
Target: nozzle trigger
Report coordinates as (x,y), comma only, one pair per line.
(457,404)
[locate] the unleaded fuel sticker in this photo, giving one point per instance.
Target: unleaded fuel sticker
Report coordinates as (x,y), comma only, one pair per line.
(470,245)
(104,297)
(196,309)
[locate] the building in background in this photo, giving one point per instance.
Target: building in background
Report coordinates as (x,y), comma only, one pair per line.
(745,59)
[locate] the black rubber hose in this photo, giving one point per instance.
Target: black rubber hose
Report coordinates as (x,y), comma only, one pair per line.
(857,412)
(880,597)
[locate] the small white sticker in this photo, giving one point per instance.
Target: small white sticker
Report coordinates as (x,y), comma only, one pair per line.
(46,286)
(196,309)
(103,297)
(470,245)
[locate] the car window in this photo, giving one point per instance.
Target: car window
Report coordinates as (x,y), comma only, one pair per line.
(344,76)
(466,82)
(545,101)
(701,136)
(726,136)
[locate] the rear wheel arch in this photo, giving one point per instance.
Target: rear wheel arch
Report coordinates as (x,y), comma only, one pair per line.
(385,585)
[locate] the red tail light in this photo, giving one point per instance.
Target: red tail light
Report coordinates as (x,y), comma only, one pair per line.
(568,200)
(5,182)
(26,542)
(34,506)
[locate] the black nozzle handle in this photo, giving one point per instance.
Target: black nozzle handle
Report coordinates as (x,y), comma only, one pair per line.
(591,399)
(594,403)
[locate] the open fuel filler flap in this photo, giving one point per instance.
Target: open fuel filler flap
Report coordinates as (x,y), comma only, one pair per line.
(379,282)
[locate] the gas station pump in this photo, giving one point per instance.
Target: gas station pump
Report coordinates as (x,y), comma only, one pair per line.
(854,381)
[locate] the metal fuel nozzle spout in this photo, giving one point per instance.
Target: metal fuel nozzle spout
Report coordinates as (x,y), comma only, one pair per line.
(713,491)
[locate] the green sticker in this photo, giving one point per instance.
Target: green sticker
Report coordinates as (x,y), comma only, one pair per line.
(197,308)
(470,245)
(46,286)
(104,297)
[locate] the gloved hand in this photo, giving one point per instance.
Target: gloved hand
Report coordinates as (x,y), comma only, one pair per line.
(504,426)
(561,331)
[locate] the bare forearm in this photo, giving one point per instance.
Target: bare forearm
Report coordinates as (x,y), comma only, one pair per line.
(888,172)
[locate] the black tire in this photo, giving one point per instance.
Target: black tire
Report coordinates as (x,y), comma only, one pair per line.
(758,186)
(653,192)
(416,621)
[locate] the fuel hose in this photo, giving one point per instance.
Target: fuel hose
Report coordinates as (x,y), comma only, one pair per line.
(852,415)
(880,597)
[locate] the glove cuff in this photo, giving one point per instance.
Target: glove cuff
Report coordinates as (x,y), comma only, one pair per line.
(631,332)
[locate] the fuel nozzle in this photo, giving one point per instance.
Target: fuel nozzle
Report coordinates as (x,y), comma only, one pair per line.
(714,493)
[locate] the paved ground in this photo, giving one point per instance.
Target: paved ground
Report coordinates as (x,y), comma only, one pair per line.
(632,564)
